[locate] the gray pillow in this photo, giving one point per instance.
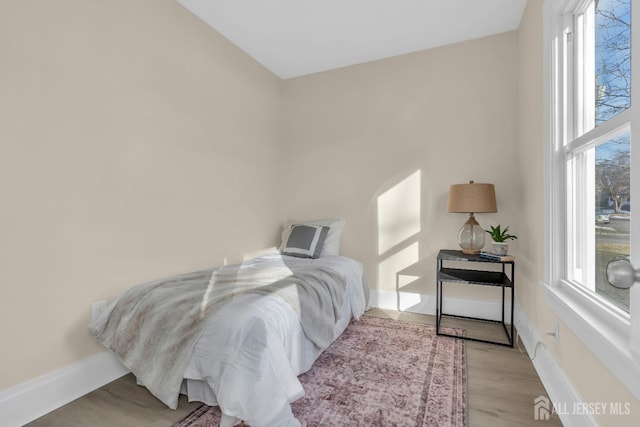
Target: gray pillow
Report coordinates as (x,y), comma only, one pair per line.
(305,241)
(331,243)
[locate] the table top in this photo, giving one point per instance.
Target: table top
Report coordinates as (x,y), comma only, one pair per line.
(456,255)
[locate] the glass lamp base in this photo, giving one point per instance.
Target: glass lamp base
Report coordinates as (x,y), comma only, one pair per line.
(471,237)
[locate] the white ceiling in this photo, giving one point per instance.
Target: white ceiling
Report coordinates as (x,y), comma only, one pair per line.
(297,37)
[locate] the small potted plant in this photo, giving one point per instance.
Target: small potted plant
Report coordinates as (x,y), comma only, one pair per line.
(499,236)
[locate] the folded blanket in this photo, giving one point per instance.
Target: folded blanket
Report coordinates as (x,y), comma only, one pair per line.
(153,327)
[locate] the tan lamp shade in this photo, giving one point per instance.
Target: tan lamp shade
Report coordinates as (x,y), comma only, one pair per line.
(472,198)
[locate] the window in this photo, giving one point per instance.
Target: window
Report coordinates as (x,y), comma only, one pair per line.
(596,147)
(592,129)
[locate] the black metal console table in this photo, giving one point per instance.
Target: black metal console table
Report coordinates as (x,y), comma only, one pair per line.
(475,277)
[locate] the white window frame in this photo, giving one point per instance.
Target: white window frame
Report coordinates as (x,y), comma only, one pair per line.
(609,332)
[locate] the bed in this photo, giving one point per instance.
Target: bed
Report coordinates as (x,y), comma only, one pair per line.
(237,336)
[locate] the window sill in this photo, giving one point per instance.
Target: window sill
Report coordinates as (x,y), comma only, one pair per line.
(603,330)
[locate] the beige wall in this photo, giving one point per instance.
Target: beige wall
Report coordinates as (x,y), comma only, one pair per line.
(529,159)
(380,143)
(591,379)
(135,142)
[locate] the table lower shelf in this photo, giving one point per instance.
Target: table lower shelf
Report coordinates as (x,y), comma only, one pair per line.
(477,329)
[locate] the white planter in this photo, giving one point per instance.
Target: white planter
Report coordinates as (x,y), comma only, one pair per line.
(500,248)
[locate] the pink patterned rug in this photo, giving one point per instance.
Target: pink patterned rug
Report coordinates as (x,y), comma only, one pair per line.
(379,372)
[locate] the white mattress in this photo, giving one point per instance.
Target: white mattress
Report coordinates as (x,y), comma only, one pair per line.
(251,351)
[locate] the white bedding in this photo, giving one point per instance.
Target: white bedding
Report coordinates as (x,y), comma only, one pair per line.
(250,352)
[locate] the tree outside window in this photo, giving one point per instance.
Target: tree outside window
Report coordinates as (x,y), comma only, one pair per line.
(613,158)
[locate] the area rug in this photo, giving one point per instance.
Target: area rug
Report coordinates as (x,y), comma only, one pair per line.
(379,372)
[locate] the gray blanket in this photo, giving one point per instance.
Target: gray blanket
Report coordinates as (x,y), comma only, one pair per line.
(153,327)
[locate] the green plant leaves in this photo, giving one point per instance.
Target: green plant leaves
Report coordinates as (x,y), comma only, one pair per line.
(499,235)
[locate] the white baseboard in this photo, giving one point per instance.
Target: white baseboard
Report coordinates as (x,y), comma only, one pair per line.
(426,304)
(31,400)
(560,391)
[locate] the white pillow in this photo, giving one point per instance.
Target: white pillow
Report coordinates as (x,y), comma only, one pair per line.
(331,243)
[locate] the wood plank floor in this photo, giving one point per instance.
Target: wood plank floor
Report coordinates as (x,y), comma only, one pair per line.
(502,386)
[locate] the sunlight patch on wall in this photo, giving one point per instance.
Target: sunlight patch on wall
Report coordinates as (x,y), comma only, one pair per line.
(389,268)
(399,213)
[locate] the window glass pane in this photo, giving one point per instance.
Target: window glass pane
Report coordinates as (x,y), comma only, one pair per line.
(599,214)
(612,38)
(612,213)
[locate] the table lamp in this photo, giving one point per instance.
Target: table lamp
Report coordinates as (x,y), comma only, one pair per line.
(471,198)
